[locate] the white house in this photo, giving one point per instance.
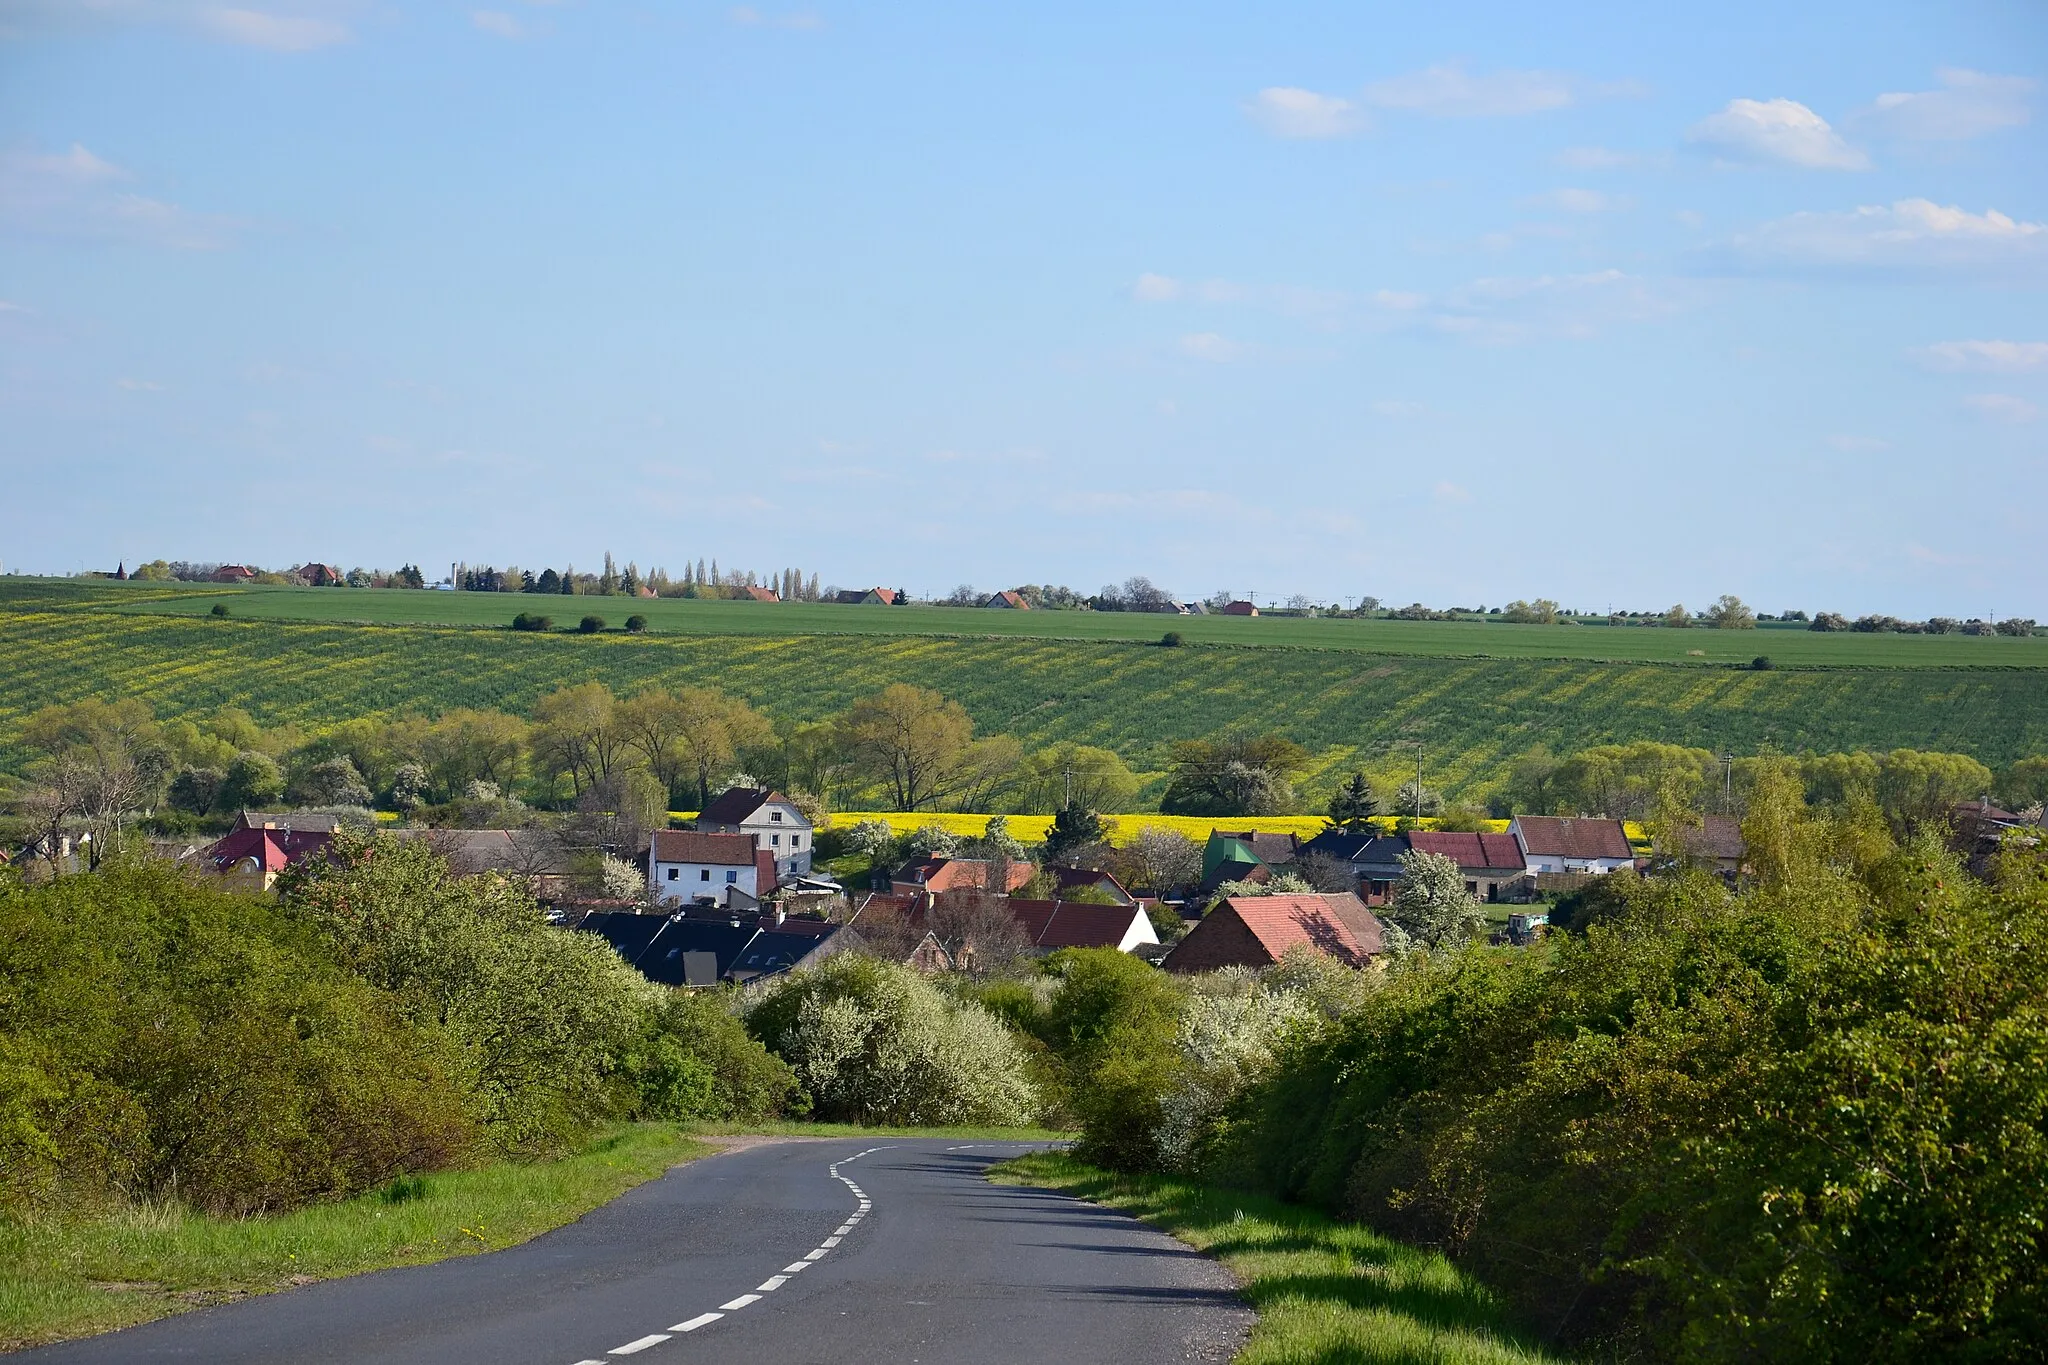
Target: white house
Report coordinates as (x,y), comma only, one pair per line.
(781,827)
(687,865)
(1555,843)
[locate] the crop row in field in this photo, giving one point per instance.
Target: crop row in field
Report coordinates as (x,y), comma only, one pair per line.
(1469,717)
(1789,645)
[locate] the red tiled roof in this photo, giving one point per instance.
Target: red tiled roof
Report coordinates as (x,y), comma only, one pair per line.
(1563,836)
(1064,924)
(935,875)
(693,846)
(1492,851)
(1009,597)
(273,849)
(1283,922)
(761,594)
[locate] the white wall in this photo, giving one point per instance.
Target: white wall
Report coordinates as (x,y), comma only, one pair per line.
(692,880)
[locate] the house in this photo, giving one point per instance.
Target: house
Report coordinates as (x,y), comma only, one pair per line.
(321,575)
(1270,849)
(1257,931)
(1239,609)
(784,830)
(694,866)
(703,950)
(1009,598)
(866,597)
(1493,866)
(249,856)
(759,594)
(936,876)
(233,573)
(1716,842)
(1563,843)
(534,856)
(1072,879)
(1063,924)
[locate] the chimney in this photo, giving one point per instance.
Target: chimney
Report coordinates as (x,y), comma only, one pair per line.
(780,914)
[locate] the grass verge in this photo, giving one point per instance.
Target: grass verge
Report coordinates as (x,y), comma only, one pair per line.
(70,1278)
(1326,1293)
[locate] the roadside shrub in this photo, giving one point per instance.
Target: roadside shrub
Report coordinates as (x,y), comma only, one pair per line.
(694,1059)
(1114,1023)
(160,1040)
(590,625)
(874,1042)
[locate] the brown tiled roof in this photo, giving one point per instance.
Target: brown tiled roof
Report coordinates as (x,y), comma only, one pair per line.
(1719,836)
(761,594)
(957,874)
(1008,598)
(1490,851)
(693,846)
(1067,878)
(1063,924)
(1564,836)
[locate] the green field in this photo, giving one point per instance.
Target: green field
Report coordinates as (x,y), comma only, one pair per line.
(1786,645)
(1472,715)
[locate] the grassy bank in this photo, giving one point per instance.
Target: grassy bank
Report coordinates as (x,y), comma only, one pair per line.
(1325,1292)
(71,1278)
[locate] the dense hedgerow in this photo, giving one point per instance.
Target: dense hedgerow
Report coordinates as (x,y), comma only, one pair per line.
(161,1039)
(1809,1122)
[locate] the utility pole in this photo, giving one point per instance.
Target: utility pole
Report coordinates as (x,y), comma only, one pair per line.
(1728,783)
(1418,782)
(1068,773)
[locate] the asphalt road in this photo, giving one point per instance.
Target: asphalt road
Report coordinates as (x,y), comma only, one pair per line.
(840,1252)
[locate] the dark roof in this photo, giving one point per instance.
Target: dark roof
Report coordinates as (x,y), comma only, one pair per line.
(273,849)
(735,804)
(291,819)
(1718,837)
(1564,836)
(694,846)
(1497,852)
(1271,848)
(1338,843)
(779,947)
(665,961)
(1064,924)
(1066,878)
(625,931)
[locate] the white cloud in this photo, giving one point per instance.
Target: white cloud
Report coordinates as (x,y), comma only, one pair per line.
(1451,492)
(1399,300)
(1913,235)
(78,195)
(1582,201)
(278,32)
(1210,346)
(1969,104)
(1152,288)
(1449,91)
(1286,111)
(1505,310)
(746,16)
(2003,407)
(1857,445)
(1993,357)
(497,22)
(1783,131)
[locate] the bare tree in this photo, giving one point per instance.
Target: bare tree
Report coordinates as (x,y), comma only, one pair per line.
(977,928)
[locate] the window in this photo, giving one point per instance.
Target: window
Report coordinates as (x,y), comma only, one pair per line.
(775,839)
(674,872)
(796,841)
(703,874)
(731,877)
(776,816)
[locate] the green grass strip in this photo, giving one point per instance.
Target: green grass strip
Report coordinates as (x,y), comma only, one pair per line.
(72,1277)
(1326,1293)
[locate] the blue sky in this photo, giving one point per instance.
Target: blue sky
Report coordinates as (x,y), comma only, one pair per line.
(1457,303)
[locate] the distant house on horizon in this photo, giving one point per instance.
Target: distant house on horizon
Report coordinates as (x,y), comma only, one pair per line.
(866,597)
(1239,609)
(1010,598)
(760,594)
(233,573)
(321,575)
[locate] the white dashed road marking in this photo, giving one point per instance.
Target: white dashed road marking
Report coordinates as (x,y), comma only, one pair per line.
(769,1285)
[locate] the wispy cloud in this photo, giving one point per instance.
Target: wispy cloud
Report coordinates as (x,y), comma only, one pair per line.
(1968,104)
(278,26)
(1290,300)
(1213,347)
(278,32)
(1783,132)
(1850,444)
(1989,357)
(1608,159)
(1911,236)
(497,23)
(1287,111)
(1505,310)
(746,16)
(1581,201)
(76,194)
(1450,492)
(2001,407)
(1450,91)
(139,385)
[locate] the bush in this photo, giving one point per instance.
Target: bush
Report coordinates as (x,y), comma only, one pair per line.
(590,625)
(529,620)
(635,624)
(874,1042)
(1761,664)
(1113,1023)
(1172,639)
(220,609)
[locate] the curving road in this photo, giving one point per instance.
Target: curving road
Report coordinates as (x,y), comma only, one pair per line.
(839,1253)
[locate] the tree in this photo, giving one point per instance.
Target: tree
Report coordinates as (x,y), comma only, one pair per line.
(1411,800)
(576,731)
(466,745)
(1080,773)
(1728,613)
(690,737)
(197,790)
(1531,784)
(1236,776)
(410,786)
(2024,784)
(1354,805)
(997,843)
(590,625)
(1074,827)
(1917,789)
(1678,617)
(253,781)
(1624,781)
(1541,612)
(911,741)
(1161,859)
(977,930)
(1431,905)
(334,782)
(874,838)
